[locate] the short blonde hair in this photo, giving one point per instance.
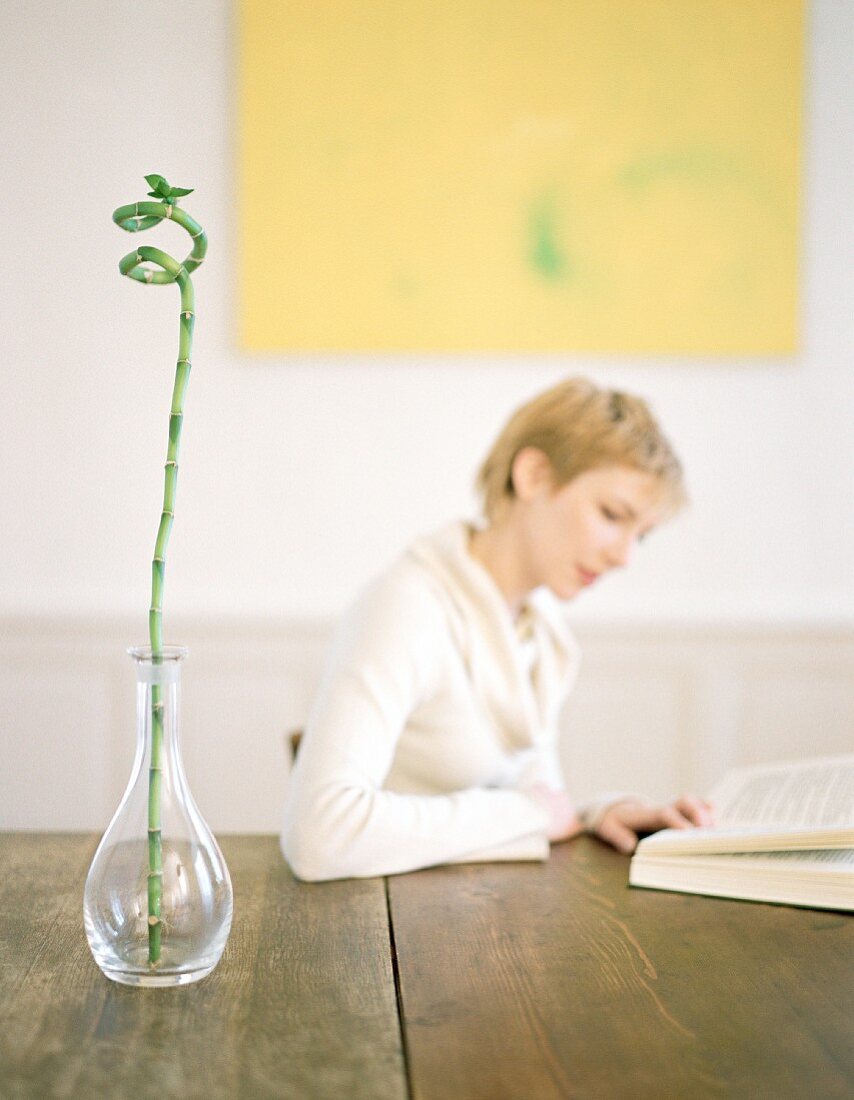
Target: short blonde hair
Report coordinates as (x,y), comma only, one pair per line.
(580,426)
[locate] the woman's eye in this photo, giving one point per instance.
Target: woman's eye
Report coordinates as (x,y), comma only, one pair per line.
(610,514)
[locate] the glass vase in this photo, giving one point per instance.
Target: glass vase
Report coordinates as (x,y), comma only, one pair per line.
(158,901)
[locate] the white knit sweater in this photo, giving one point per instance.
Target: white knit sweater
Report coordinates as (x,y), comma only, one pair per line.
(432,718)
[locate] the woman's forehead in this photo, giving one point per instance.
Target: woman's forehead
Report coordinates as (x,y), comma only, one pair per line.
(643,493)
(621,479)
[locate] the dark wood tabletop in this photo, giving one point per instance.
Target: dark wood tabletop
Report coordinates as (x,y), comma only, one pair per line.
(487,981)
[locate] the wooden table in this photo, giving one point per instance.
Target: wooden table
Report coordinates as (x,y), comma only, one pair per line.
(484,981)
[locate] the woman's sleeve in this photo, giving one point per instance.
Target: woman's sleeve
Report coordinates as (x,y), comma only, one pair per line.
(338,821)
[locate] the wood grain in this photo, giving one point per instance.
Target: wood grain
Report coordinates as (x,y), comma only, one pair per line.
(526,980)
(558,980)
(301,1005)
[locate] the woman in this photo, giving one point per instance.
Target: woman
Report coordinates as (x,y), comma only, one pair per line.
(433,738)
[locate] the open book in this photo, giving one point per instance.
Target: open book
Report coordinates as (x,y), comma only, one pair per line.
(784,833)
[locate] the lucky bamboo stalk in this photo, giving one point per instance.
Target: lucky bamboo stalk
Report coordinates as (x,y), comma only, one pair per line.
(133,218)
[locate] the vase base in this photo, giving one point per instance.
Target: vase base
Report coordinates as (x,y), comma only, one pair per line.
(155,980)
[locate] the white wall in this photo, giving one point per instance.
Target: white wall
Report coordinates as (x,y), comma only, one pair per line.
(302,475)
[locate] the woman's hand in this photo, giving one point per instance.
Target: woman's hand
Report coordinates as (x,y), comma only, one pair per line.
(622,822)
(564,822)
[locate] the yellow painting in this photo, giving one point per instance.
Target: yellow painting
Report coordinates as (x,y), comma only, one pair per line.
(598,176)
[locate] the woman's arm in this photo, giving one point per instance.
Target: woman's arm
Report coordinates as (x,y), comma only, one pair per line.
(338,821)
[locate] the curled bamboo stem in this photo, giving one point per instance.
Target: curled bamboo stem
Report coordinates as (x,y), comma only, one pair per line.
(135,218)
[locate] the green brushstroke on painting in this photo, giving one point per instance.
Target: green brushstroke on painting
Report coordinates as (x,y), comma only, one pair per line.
(546,255)
(697,164)
(407,286)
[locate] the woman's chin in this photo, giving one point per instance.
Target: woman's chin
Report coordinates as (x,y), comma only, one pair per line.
(566,591)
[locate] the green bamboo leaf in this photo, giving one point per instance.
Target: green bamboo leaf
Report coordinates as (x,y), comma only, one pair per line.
(177,192)
(154,181)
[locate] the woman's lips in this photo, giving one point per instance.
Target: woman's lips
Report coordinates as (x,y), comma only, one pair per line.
(586,576)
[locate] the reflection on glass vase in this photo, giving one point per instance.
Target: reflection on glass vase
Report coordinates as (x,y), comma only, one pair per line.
(158,901)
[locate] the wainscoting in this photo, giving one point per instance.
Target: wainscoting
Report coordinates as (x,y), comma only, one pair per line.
(657,709)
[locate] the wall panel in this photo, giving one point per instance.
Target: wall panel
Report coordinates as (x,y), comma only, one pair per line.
(657,709)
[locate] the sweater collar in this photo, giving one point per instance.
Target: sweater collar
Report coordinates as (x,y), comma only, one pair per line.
(522,702)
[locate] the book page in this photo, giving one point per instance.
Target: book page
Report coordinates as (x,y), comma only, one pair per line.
(814,878)
(831,859)
(815,794)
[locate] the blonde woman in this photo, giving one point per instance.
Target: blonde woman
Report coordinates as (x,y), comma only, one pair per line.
(433,737)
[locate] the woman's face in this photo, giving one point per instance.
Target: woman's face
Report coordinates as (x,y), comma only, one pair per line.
(574,534)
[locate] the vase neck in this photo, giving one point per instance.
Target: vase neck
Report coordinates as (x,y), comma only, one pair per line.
(158,696)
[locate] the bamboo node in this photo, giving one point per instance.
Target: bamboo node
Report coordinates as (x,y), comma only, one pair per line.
(196,236)
(159,559)
(168,211)
(189,313)
(155,874)
(187,361)
(153,921)
(171,463)
(149,275)
(166,512)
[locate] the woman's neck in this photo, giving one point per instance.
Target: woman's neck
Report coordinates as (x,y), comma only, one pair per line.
(496,548)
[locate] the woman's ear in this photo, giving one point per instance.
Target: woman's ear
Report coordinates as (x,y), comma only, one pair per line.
(531,473)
